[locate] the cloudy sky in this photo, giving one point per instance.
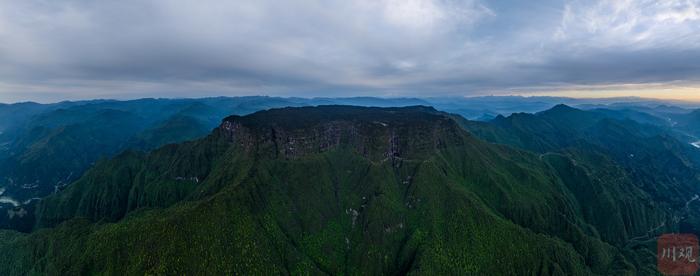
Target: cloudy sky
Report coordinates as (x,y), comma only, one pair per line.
(77,49)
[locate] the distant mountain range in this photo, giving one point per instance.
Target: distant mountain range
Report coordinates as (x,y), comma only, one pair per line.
(295,186)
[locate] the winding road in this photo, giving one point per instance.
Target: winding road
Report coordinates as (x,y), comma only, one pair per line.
(649,235)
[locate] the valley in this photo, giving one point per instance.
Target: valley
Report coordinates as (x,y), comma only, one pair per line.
(696,144)
(360,137)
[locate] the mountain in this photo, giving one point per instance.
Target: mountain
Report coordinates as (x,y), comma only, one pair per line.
(680,122)
(34,135)
(175,129)
(54,145)
(664,168)
(16,112)
(688,123)
(43,147)
(637,116)
(352,190)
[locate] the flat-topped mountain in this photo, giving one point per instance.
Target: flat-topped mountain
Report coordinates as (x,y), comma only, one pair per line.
(377,133)
(305,117)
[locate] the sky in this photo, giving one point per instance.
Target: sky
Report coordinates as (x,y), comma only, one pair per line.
(52,50)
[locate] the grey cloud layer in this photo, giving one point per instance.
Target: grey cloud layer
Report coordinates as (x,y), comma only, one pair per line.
(79,48)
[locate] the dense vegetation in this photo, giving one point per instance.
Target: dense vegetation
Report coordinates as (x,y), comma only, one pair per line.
(352,190)
(44,147)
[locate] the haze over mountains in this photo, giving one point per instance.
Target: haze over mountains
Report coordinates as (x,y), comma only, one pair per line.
(360,137)
(290,185)
(80,133)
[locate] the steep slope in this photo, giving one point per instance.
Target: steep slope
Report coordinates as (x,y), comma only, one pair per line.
(338,190)
(333,189)
(62,140)
(75,145)
(649,152)
(641,117)
(13,114)
(177,128)
(53,148)
(152,123)
(688,123)
(649,158)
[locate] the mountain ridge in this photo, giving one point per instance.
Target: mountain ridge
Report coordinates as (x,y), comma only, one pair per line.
(408,191)
(336,189)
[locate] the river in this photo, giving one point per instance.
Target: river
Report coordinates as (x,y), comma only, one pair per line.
(696,144)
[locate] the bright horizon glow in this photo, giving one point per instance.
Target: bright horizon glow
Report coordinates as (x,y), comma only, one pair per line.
(657,91)
(689,95)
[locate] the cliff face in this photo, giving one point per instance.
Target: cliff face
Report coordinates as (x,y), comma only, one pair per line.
(384,134)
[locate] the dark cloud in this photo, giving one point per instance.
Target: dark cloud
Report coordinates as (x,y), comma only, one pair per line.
(52,50)
(611,66)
